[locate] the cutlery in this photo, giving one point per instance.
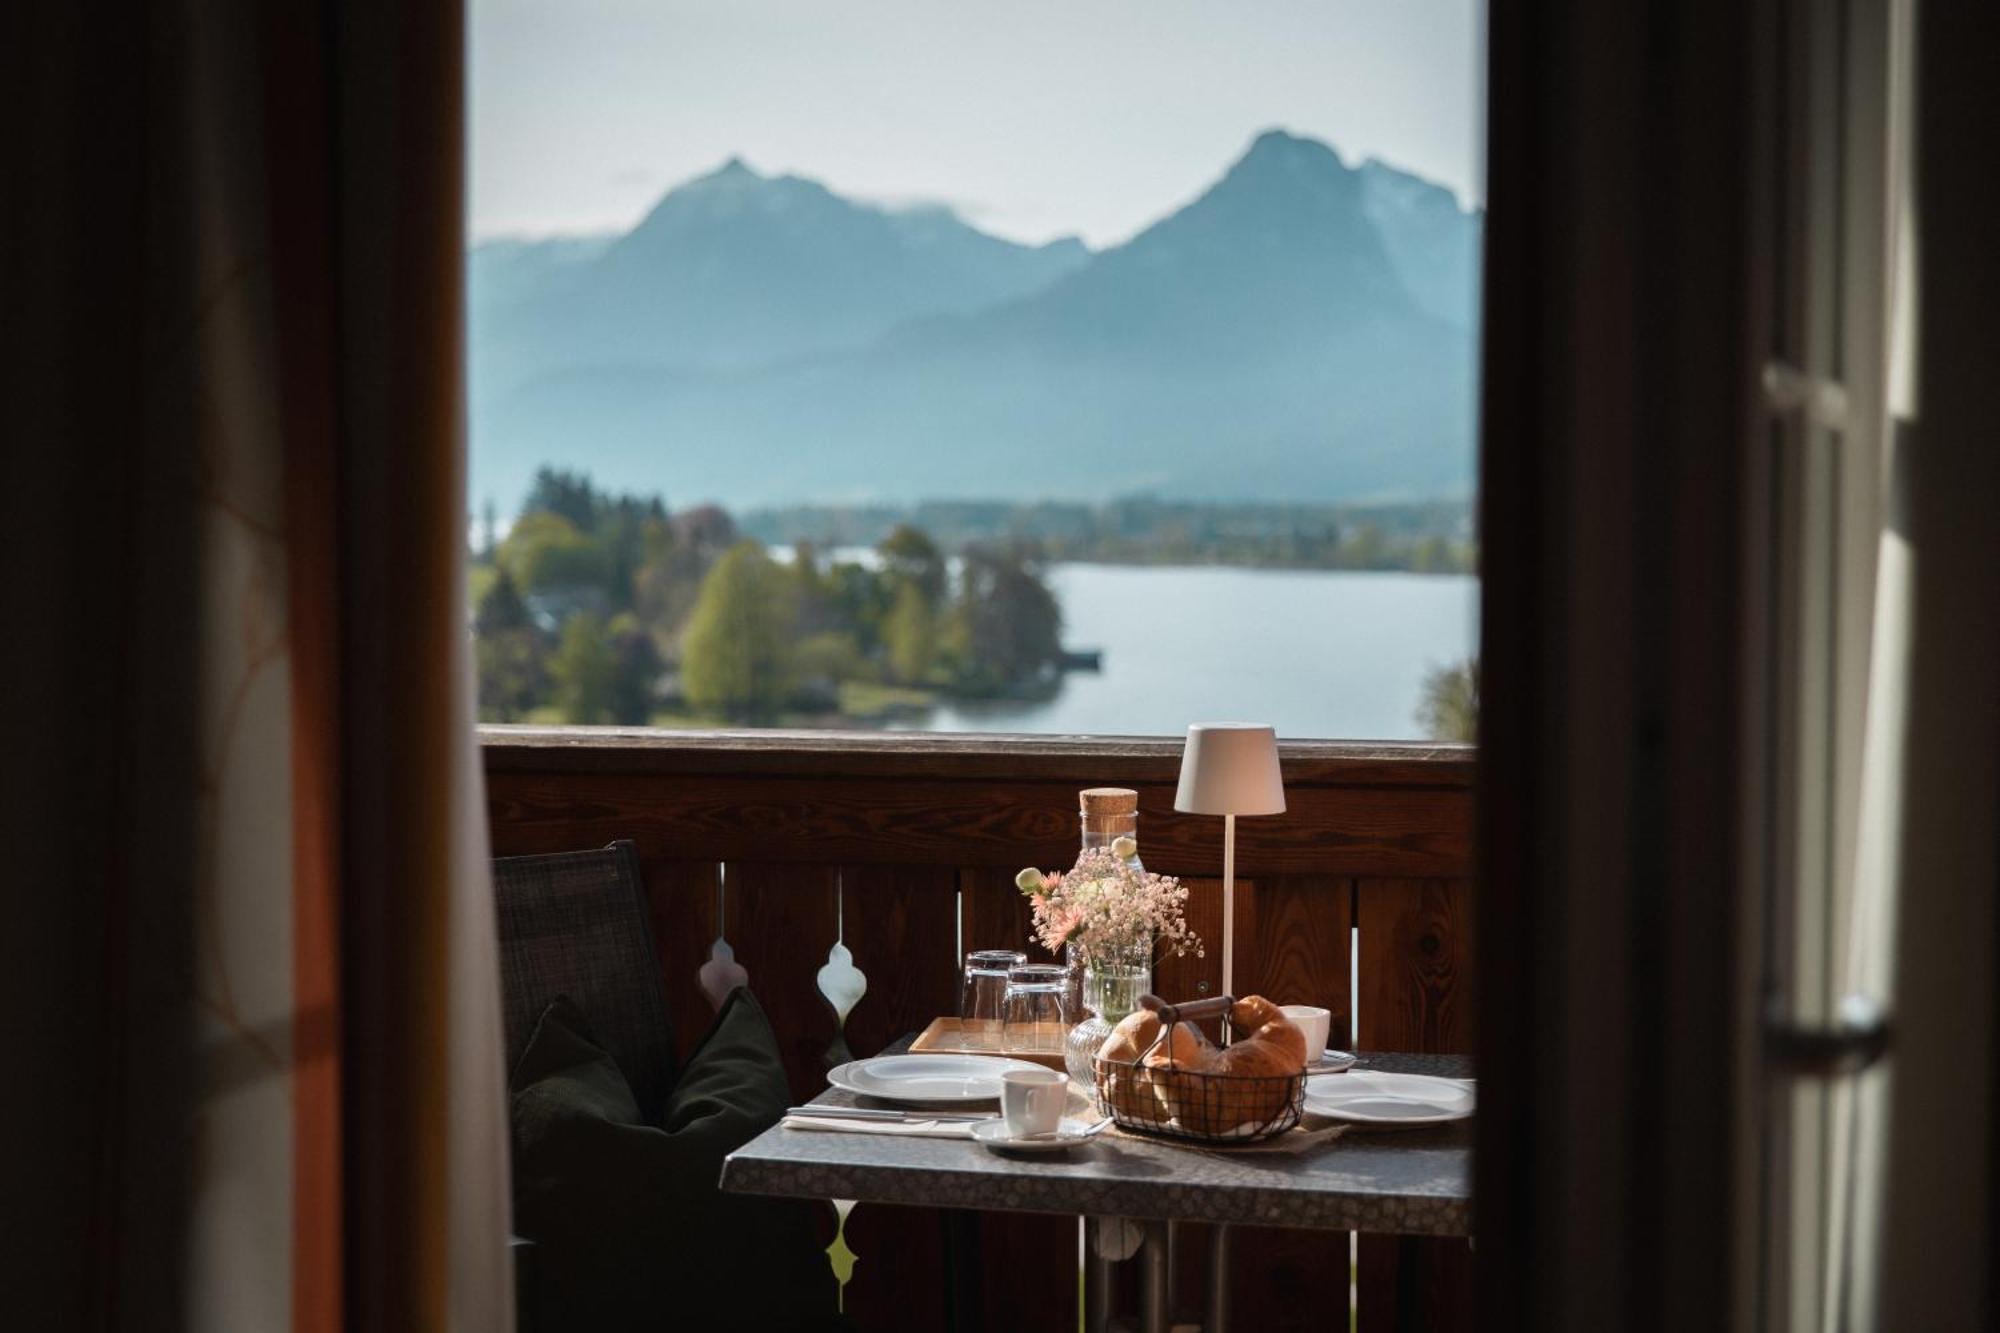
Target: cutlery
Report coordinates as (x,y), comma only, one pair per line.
(1087,1132)
(890,1117)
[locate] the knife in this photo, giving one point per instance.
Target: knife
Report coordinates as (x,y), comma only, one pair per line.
(896,1117)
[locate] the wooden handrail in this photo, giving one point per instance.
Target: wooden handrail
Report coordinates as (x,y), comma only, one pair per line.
(960,755)
(992,801)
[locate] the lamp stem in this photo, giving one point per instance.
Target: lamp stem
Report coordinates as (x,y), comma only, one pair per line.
(1229,904)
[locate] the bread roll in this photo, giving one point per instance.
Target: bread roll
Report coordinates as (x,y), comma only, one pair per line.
(1129,1040)
(1176,1065)
(1134,1094)
(1269,1049)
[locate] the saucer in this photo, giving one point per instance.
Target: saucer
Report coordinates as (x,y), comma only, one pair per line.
(995,1135)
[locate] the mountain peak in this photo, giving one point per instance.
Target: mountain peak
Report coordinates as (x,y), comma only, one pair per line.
(735,169)
(1275,146)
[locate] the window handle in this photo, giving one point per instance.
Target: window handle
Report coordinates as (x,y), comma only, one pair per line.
(1857,1039)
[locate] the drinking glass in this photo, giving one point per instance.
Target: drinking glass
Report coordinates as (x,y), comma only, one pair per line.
(980,1004)
(1035,1008)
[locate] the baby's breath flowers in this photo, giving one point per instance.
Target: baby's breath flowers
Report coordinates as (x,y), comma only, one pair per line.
(1106,907)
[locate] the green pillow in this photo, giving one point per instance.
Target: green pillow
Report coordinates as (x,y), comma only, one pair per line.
(629,1228)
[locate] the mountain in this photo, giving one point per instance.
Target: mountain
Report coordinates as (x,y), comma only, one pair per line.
(1431,241)
(737,270)
(1303,330)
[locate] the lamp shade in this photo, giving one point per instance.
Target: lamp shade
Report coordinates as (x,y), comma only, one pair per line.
(1230,768)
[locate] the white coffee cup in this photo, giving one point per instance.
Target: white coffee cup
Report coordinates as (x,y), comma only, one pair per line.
(1031,1101)
(1314,1022)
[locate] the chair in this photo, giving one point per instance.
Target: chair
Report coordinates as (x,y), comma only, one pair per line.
(575,924)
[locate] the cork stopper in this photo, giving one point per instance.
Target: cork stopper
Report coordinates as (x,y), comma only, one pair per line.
(1103,805)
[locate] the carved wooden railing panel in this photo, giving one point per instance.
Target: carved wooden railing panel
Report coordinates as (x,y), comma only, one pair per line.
(920,837)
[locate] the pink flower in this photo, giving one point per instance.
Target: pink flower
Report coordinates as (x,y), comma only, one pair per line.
(1104,905)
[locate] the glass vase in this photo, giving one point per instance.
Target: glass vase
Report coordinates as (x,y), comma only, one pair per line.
(1113,981)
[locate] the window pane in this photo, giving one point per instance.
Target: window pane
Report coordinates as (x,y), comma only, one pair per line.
(1040,367)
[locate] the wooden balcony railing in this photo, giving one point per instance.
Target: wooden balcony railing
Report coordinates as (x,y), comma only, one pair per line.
(1362,887)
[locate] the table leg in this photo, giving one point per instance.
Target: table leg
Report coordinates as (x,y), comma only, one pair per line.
(1155,1282)
(1215,1318)
(1097,1280)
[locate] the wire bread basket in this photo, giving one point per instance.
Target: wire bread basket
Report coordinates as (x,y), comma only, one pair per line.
(1175,1101)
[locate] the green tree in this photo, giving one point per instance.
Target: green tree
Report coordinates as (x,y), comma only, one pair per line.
(585,672)
(737,658)
(910,556)
(546,553)
(1450,707)
(635,671)
(1364,548)
(567,495)
(910,635)
(824,660)
(1008,627)
(509,652)
(860,598)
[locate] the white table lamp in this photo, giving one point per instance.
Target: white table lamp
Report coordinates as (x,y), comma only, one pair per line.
(1230,769)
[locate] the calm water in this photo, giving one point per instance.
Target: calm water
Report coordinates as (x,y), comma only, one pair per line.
(1314,653)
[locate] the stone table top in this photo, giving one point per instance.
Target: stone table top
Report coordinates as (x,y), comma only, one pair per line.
(1402,1181)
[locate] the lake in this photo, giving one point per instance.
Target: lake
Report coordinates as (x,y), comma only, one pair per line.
(1315,653)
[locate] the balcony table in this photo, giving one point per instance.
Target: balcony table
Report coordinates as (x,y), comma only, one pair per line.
(1411,1182)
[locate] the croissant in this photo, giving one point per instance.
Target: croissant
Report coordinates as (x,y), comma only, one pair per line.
(1256,1020)
(1269,1049)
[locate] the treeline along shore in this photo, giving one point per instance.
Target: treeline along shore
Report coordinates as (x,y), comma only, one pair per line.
(1426,537)
(602,607)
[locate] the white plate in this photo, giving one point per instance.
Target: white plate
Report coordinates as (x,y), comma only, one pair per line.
(932,1079)
(1374,1097)
(994,1134)
(1332,1062)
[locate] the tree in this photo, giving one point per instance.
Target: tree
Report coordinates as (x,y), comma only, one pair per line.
(1364,548)
(568,495)
(509,652)
(546,553)
(860,598)
(737,657)
(1450,707)
(585,672)
(1433,556)
(501,609)
(910,635)
(1009,627)
(910,556)
(707,531)
(635,674)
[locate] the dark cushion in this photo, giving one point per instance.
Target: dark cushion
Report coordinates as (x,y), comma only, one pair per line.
(630,1229)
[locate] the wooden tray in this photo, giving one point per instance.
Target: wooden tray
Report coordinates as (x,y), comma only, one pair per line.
(946,1036)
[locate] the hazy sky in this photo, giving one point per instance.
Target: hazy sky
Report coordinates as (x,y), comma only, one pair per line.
(1034,118)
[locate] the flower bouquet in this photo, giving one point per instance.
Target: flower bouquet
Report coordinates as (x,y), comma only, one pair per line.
(1111,919)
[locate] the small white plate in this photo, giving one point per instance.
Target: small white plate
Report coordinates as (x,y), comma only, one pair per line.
(1374,1097)
(931,1079)
(995,1135)
(1331,1062)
